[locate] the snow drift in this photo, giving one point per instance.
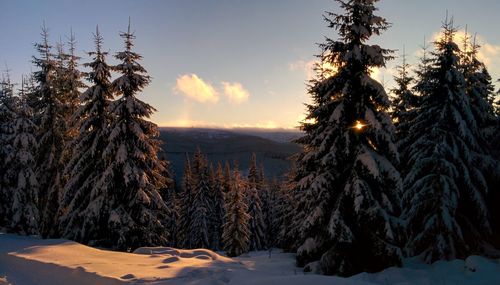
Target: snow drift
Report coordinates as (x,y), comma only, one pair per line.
(29,261)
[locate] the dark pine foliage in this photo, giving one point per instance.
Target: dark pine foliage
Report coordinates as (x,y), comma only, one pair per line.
(445,198)
(348,183)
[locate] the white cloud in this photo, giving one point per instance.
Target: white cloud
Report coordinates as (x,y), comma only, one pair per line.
(193,87)
(235,92)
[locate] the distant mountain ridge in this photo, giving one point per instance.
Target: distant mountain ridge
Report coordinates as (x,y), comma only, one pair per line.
(273,148)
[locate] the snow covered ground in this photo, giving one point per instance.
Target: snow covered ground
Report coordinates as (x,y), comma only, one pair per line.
(27,261)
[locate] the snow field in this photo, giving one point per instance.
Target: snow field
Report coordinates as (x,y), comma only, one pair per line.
(30,261)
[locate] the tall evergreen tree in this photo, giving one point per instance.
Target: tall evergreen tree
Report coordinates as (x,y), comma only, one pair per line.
(257,226)
(185,210)
(348,184)
(70,79)
(289,215)
(479,89)
(218,208)
(85,207)
(47,106)
(227,177)
(445,203)
(481,93)
(403,98)
(7,116)
(201,204)
(267,205)
(236,234)
(23,214)
(133,171)
(171,198)
(273,214)
(497,102)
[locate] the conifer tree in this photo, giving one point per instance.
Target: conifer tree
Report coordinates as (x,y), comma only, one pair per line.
(23,214)
(73,84)
(288,214)
(171,198)
(497,102)
(70,85)
(227,177)
(348,184)
(257,226)
(267,204)
(133,171)
(403,97)
(275,214)
(479,89)
(47,106)
(85,207)
(236,234)
(201,204)
(172,202)
(218,208)
(7,116)
(185,209)
(445,205)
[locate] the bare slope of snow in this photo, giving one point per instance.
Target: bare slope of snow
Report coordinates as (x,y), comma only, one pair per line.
(27,261)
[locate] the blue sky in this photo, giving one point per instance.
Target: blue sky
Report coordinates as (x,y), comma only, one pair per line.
(230,63)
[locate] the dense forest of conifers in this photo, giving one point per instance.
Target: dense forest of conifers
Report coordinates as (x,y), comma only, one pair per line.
(382,175)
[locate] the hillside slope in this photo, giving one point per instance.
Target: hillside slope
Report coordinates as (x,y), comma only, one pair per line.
(226,145)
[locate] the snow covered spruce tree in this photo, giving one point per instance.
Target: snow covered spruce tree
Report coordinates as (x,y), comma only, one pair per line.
(85,207)
(480,90)
(201,203)
(288,213)
(218,208)
(70,83)
(256,226)
(185,209)
(23,215)
(273,214)
(132,174)
(236,234)
(267,205)
(403,98)
(348,185)
(445,206)
(171,199)
(481,93)
(47,107)
(7,116)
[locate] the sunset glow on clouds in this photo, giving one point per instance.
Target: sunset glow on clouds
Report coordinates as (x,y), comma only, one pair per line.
(187,123)
(235,92)
(193,87)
